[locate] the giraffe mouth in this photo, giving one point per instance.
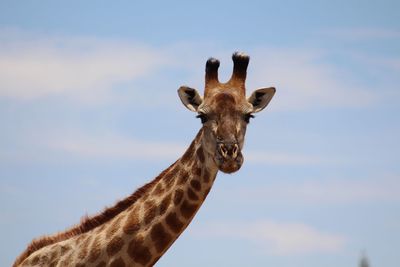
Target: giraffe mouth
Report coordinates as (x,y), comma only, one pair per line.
(229,165)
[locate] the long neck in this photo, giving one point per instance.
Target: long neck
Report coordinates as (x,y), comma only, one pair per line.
(154,222)
(171,204)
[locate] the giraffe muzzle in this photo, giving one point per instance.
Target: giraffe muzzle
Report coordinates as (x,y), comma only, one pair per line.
(229,157)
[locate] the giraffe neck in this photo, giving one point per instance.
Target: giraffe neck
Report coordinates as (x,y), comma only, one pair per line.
(170,205)
(140,234)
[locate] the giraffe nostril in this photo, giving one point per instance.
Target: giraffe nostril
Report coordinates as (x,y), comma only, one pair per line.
(228,150)
(223,150)
(235,150)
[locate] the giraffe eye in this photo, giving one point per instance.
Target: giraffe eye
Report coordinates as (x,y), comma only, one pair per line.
(203,117)
(247,117)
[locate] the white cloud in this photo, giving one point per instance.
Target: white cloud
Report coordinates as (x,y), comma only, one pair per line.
(90,70)
(276,237)
(85,69)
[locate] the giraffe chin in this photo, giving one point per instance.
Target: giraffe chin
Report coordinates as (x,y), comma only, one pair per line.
(230,165)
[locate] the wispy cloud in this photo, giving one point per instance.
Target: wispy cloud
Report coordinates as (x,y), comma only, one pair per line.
(84,69)
(273,237)
(91,69)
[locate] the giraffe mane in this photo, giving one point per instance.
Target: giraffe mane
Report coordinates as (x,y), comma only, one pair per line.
(88,223)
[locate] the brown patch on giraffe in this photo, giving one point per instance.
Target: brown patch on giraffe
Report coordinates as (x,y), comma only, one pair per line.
(53,263)
(80,264)
(44,260)
(195,184)
(84,247)
(138,252)
(114,246)
(200,154)
(101,264)
(188,154)
(197,171)
(150,211)
(35,260)
(164,204)
(206,176)
(132,223)
(89,223)
(191,194)
(173,222)
(178,196)
(64,249)
(95,250)
(159,189)
(67,260)
(183,177)
(117,263)
(188,209)
(160,237)
(53,254)
(113,228)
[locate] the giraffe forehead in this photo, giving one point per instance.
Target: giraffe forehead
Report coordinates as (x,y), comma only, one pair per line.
(225,98)
(224,102)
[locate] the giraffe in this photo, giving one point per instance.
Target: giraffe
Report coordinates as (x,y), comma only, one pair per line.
(139,229)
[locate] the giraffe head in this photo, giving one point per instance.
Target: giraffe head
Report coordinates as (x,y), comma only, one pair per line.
(225,111)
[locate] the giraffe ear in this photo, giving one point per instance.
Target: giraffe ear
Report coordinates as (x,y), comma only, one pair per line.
(260,98)
(190,97)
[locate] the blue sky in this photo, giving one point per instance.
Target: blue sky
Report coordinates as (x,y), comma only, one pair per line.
(89,112)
